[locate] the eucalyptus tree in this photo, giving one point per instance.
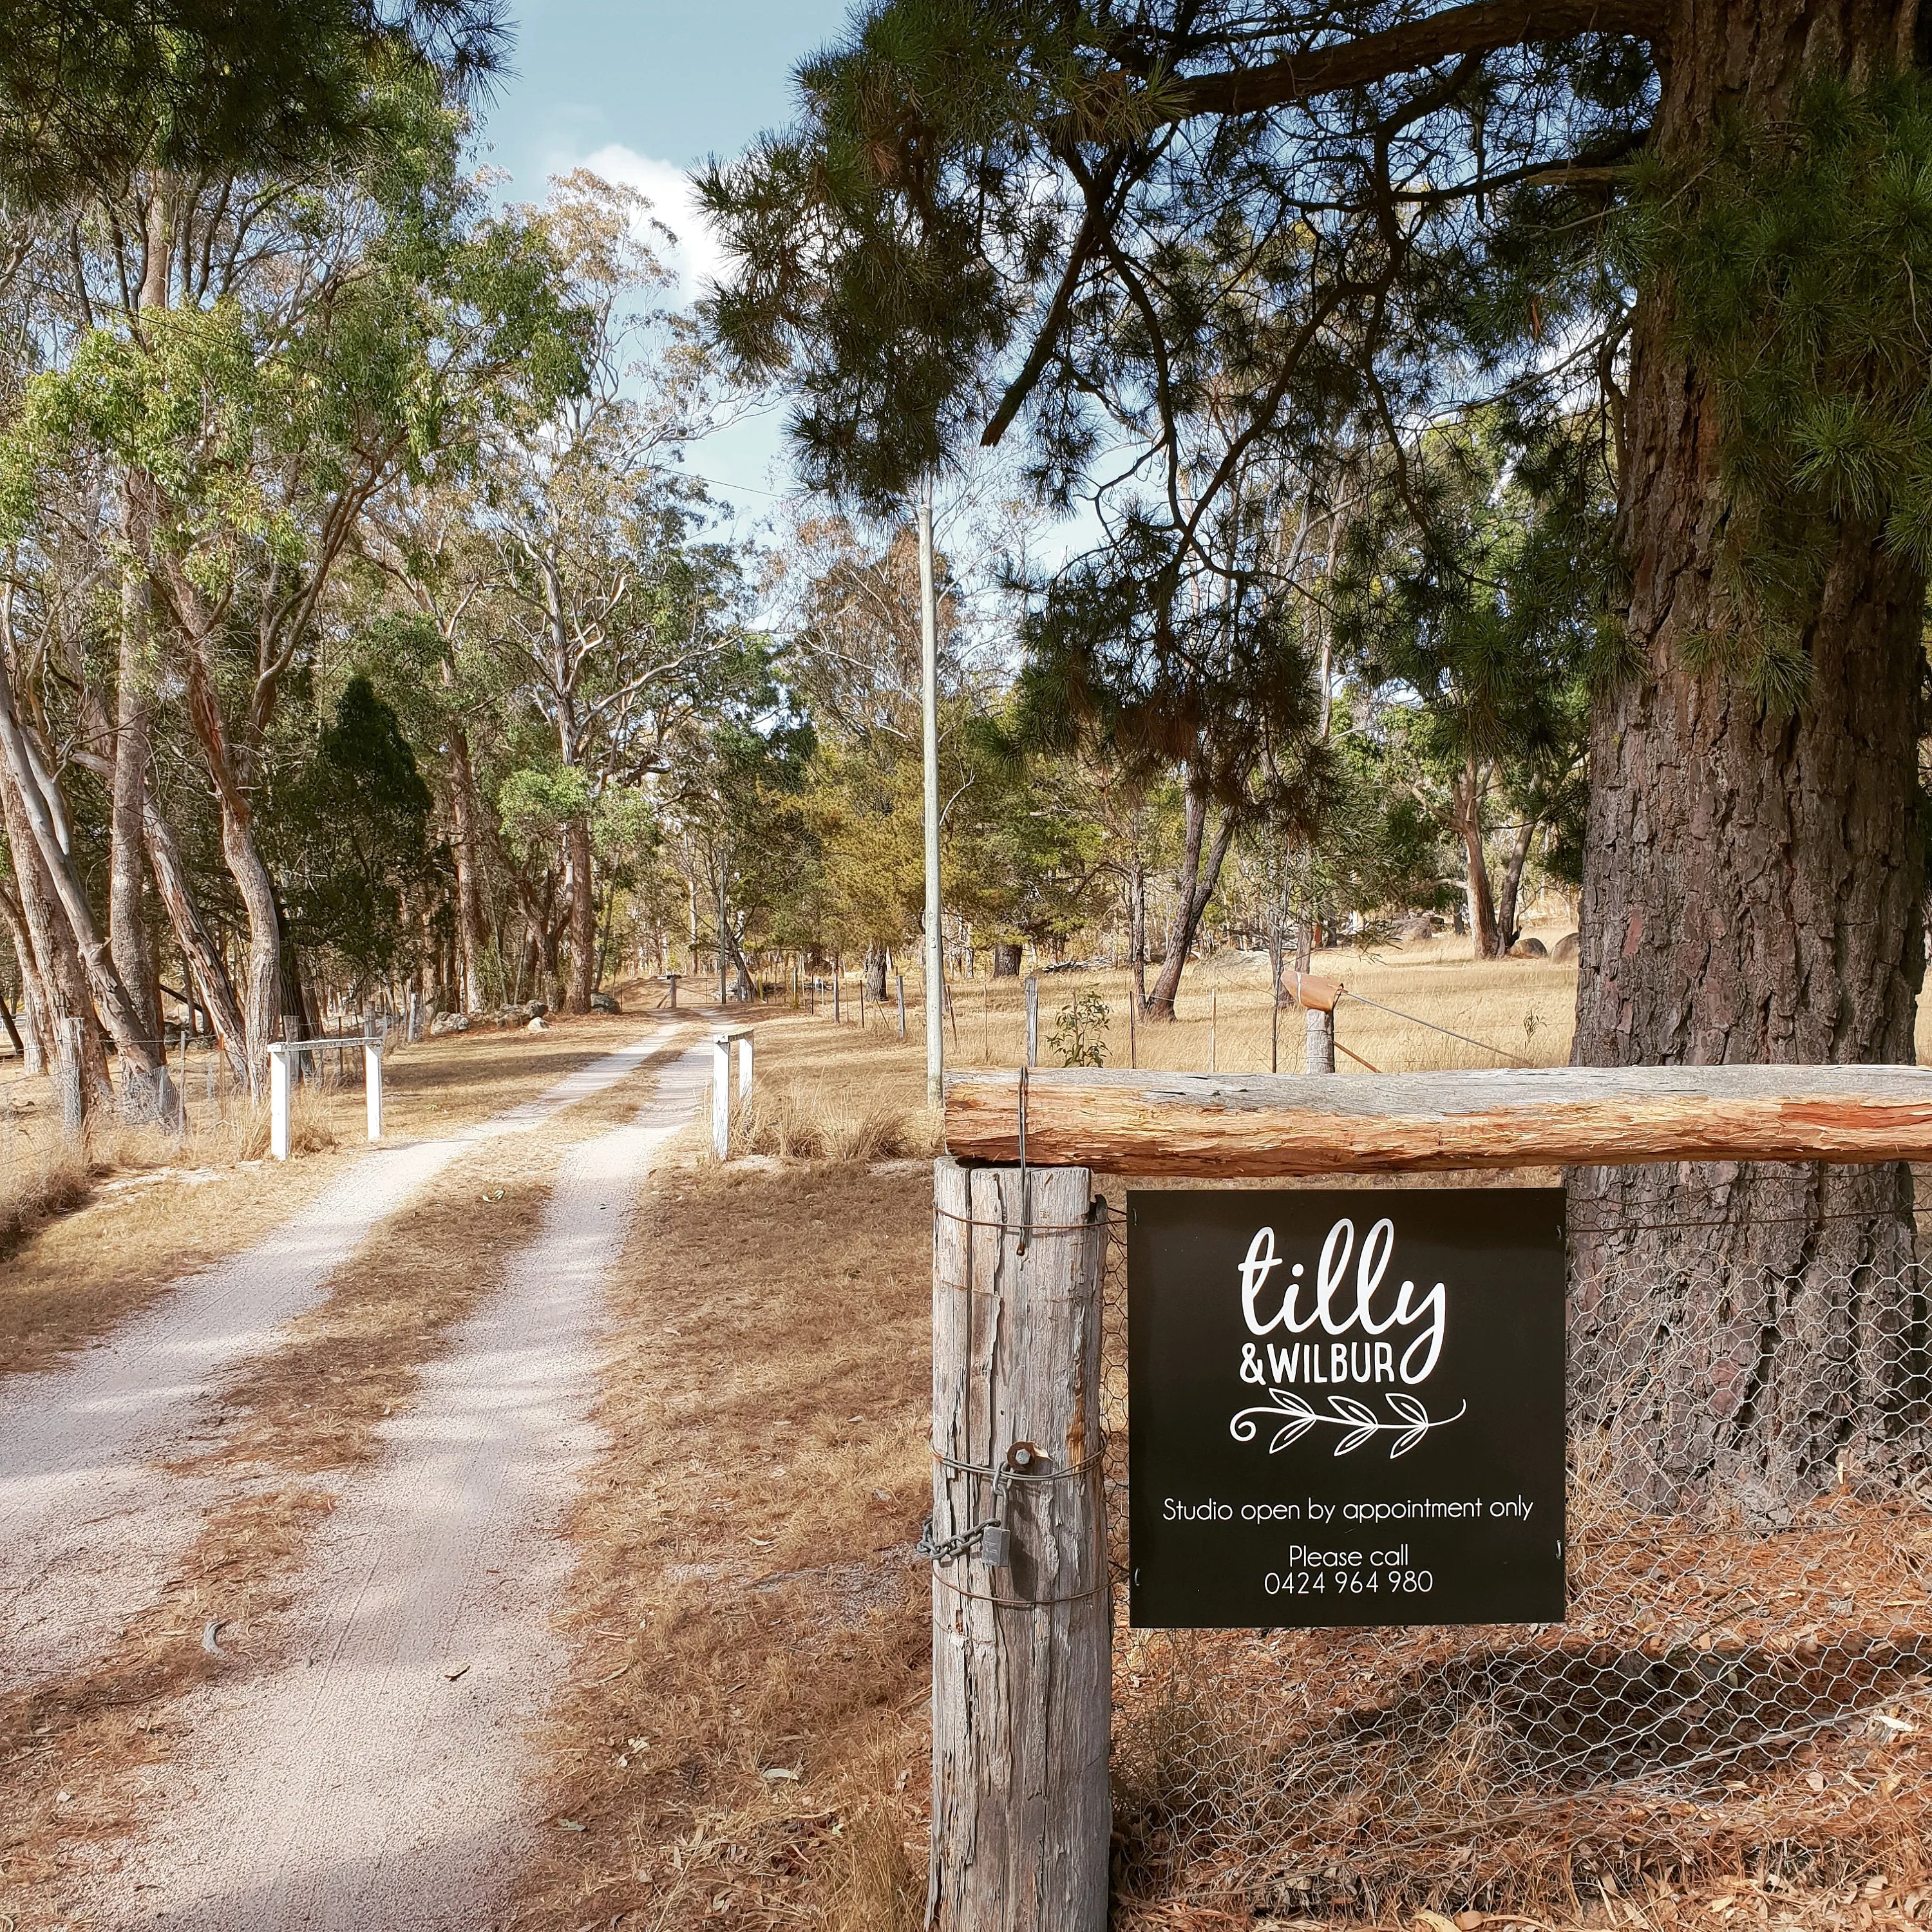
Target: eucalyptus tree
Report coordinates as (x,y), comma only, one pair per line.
(253,360)
(615,619)
(1707,223)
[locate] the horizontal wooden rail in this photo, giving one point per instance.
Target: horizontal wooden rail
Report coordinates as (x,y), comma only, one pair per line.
(1233,1125)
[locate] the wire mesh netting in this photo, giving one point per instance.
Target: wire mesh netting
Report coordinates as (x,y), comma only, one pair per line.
(1746,1670)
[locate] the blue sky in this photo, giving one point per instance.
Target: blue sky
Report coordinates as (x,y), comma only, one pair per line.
(642,92)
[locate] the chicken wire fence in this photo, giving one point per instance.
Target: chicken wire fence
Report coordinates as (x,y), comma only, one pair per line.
(1745,1673)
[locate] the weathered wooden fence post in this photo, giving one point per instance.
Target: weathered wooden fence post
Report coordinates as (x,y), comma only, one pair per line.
(70,1079)
(1022,1647)
(901,984)
(1033,1019)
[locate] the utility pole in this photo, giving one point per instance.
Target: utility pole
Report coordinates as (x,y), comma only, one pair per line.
(935,956)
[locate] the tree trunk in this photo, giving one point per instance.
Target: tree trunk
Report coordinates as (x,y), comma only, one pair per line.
(208,971)
(1005,959)
(1507,930)
(1465,792)
(33,1044)
(1752,892)
(875,971)
(583,917)
(464,806)
(127,926)
(1198,876)
(62,987)
(1137,928)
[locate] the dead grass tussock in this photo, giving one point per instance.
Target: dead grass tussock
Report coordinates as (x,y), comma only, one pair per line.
(790,1123)
(743,1744)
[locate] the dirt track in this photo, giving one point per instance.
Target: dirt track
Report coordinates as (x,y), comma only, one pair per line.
(88,1527)
(371,1774)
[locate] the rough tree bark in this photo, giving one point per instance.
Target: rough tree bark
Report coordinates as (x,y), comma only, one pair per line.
(1752,892)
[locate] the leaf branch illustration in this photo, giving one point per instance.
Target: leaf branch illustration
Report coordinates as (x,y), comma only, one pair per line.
(1360,1422)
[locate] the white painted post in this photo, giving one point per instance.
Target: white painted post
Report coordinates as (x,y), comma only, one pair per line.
(721,1095)
(278,1100)
(372,1082)
(745,1065)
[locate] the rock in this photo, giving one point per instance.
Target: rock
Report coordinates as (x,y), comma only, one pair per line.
(1420,927)
(1567,947)
(602,1003)
(536,1010)
(537,1025)
(450,1023)
(1529,948)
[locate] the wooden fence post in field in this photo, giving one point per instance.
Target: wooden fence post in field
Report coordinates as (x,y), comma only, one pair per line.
(901,986)
(837,987)
(1213,1021)
(1033,1019)
(1022,1657)
(69,1078)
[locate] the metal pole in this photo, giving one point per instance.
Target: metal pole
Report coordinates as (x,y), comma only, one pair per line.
(935,964)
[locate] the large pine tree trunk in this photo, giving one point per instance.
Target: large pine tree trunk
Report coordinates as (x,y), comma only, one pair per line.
(1752,892)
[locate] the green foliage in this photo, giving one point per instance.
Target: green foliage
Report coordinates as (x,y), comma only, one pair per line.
(348,834)
(1796,259)
(535,802)
(92,90)
(1079,1032)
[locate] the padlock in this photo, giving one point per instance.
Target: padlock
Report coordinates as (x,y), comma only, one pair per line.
(993,1546)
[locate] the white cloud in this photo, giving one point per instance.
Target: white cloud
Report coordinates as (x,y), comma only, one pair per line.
(696,257)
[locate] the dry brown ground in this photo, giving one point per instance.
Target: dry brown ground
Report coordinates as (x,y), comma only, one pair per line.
(745,1742)
(74,1756)
(742,1743)
(143,1208)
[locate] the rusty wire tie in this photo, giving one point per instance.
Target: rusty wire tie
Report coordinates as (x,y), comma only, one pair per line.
(1018,1475)
(1023,1602)
(1044,1227)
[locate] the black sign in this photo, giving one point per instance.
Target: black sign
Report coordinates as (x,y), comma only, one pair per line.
(1345,1408)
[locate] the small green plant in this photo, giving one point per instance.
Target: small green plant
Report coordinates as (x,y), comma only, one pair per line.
(1079,1034)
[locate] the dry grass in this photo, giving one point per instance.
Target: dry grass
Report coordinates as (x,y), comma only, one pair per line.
(309,1408)
(739,1615)
(97,1234)
(743,1744)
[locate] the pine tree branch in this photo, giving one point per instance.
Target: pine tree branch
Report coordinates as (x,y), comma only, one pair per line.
(1478,29)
